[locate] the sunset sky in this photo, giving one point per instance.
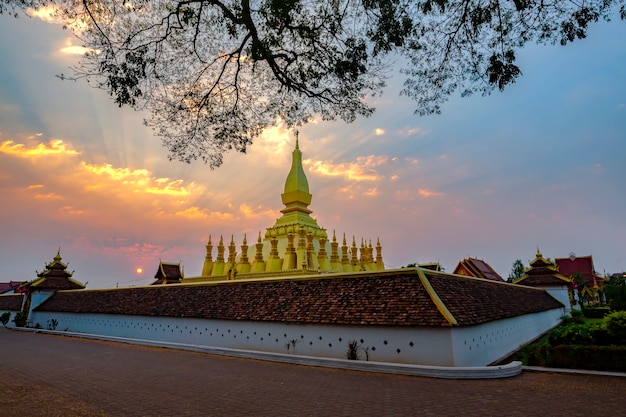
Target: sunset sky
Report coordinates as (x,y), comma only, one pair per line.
(541,165)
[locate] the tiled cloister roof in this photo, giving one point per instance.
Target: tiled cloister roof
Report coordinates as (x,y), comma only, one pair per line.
(475,301)
(389,298)
(11,302)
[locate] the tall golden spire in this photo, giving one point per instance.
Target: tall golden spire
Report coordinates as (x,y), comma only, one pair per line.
(296,196)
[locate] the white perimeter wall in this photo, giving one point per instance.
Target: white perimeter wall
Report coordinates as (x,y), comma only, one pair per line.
(486,343)
(466,346)
(561,293)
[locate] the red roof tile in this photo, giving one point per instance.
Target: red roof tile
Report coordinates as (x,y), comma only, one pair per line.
(477,268)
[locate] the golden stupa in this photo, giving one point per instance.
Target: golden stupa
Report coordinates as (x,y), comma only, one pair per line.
(294,245)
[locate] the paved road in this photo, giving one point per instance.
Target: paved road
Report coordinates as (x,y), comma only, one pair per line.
(46,375)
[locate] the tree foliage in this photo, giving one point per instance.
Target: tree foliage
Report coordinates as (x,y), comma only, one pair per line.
(214,73)
(615,291)
(517,271)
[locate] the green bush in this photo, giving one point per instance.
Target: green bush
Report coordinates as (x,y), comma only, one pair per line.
(577,314)
(20,319)
(615,325)
(4,318)
(600,358)
(574,318)
(572,334)
(596,312)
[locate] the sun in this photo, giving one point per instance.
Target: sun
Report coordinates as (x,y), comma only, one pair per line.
(139,270)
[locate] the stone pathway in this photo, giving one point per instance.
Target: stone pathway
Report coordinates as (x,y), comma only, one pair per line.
(47,375)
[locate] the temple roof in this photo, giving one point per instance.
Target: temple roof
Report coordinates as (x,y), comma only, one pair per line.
(55,276)
(542,273)
(405,297)
(477,268)
(9,286)
(582,265)
(168,273)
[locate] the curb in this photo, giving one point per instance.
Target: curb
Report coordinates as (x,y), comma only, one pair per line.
(573,371)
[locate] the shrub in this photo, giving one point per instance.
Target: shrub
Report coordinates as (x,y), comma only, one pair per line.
(575,317)
(53,323)
(4,318)
(572,334)
(600,358)
(353,350)
(20,319)
(577,314)
(596,312)
(615,325)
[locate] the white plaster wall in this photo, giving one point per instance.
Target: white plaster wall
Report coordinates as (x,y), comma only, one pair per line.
(465,346)
(561,293)
(399,345)
(36,299)
(486,343)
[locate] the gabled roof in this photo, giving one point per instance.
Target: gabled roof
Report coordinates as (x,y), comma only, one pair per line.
(478,268)
(579,265)
(168,273)
(542,273)
(404,297)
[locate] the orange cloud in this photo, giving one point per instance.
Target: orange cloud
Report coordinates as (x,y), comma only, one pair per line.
(250,213)
(55,16)
(138,181)
(47,196)
(364,169)
(192,213)
(372,192)
(53,147)
(71,210)
(428,193)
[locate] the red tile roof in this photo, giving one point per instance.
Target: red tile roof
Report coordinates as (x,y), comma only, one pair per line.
(478,268)
(476,301)
(389,298)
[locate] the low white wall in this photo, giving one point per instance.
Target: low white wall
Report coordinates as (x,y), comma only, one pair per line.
(486,343)
(466,346)
(561,293)
(385,344)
